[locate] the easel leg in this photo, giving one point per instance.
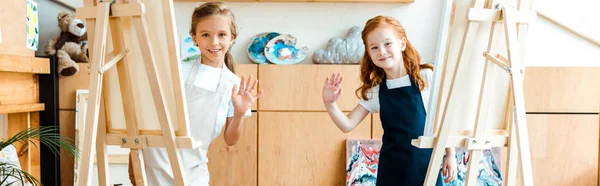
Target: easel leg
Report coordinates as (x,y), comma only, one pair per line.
(136,161)
(519,102)
(99,47)
(440,143)
(511,169)
(159,99)
(101,154)
(119,27)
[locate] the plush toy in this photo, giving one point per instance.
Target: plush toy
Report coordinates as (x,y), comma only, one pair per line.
(70,46)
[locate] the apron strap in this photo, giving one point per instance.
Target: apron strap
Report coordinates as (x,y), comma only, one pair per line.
(192,76)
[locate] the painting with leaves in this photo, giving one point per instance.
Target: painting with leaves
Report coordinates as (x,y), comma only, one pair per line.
(189,51)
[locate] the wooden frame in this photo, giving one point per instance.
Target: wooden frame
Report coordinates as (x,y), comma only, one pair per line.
(114,116)
(491,127)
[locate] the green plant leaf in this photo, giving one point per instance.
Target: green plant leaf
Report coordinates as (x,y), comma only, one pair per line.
(47,135)
(9,170)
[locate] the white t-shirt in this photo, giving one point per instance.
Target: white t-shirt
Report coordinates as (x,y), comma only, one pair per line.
(207,77)
(372,105)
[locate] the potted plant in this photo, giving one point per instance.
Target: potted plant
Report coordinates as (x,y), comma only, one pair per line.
(11,173)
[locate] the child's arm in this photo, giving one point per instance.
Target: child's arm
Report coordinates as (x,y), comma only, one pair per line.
(331,92)
(233,129)
(242,100)
(346,123)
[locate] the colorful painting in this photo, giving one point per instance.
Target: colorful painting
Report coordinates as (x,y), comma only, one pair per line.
(32,25)
(282,50)
(189,51)
(256,49)
(362,158)
(489,168)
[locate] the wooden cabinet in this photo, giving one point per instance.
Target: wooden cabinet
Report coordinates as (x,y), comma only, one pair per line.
(69,85)
(562,89)
(235,165)
(564,149)
(303,148)
(299,87)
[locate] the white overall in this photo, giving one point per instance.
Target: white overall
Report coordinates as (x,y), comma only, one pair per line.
(202,107)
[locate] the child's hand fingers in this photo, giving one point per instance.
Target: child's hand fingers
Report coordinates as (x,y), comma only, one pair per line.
(339,92)
(444,169)
(249,81)
(326,82)
(253,85)
(242,84)
(340,80)
(258,94)
(233,90)
(332,79)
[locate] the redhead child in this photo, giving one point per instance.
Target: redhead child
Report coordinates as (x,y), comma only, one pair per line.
(392,80)
(213,99)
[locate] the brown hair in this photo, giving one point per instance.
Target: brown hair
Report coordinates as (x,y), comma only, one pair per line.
(216,8)
(371,75)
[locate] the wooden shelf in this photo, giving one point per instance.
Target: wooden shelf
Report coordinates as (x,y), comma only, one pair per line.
(9,109)
(13,63)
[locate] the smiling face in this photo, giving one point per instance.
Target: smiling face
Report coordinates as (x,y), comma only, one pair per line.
(385,48)
(213,37)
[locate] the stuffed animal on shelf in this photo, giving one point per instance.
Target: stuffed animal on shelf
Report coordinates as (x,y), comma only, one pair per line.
(70,46)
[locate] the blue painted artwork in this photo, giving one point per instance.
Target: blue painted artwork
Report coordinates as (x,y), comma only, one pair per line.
(282,50)
(256,49)
(489,173)
(362,160)
(189,51)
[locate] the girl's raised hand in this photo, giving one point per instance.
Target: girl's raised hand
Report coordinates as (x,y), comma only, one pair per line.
(332,88)
(243,99)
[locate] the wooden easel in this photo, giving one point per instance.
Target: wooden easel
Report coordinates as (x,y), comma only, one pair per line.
(124,18)
(515,118)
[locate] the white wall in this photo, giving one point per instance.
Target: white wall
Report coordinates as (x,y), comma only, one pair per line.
(555,46)
(315,23)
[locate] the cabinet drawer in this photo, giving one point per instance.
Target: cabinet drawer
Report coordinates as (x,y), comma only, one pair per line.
(562,89)
(303,148)
(299,87)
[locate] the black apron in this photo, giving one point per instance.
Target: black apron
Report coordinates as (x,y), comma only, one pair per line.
(403,118)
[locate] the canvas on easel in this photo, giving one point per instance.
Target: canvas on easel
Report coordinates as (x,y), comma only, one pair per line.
(135,96)
(480,102)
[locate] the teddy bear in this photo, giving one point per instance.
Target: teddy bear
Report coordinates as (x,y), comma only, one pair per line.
(70,46)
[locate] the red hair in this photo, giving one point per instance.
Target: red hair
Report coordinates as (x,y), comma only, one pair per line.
(371,75)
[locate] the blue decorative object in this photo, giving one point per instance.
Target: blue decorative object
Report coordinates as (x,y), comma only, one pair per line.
(257,47)
(282,50)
